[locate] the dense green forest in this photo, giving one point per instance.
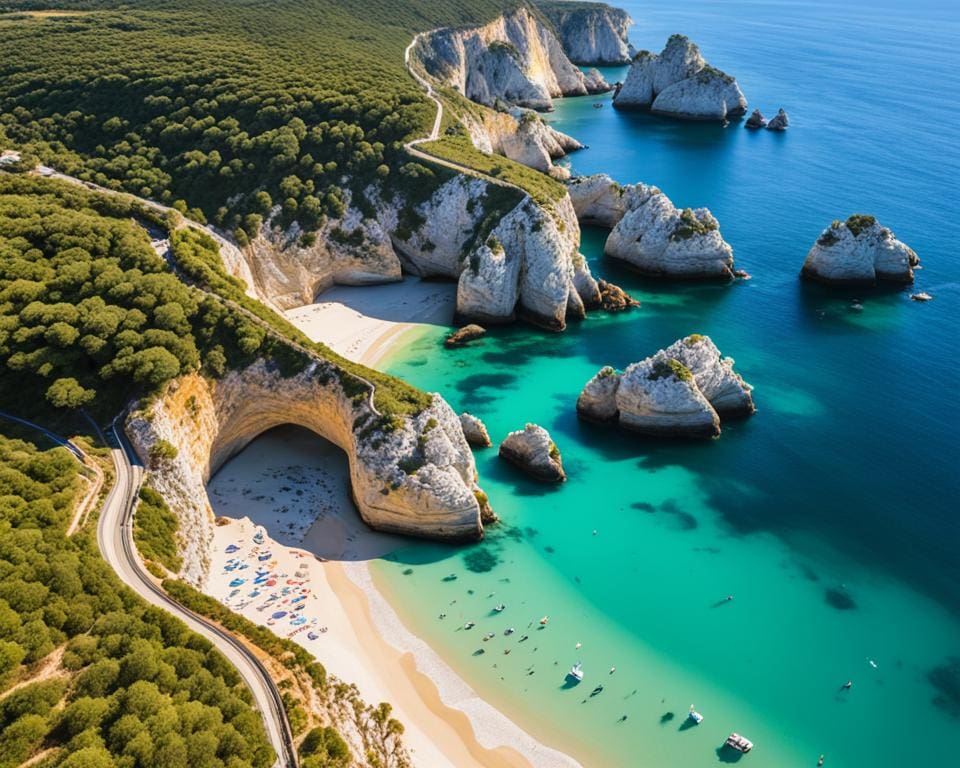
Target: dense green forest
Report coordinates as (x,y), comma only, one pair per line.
(87,306)
(225,108)
(91,314)
(133,688)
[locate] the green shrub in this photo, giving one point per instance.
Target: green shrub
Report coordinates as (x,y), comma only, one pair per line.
(155,529)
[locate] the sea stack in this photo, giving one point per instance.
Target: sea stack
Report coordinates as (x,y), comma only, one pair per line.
(475,431)
(859,251)
(679,83)
(535,453)
(650,233)
(756,120)
(779,122)
(681,391)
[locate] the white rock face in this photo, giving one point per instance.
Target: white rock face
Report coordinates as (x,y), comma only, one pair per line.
(475,431)
(419,479)
(515,59)
(681,391)
(533,451)
(859,251)
(536,144)
(527,264)
(591,34)
(598,400)
(679,83)
(650,233)
(655,400)
(723,387)
(283,271)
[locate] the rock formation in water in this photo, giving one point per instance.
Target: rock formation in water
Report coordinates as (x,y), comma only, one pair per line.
(614,299)
(515,59)
(859,251)
(411,474)
(649,232)
(779,122)
(535,453)
(681,391)
(756,120)
(462,335)
(591,33)
(537,145)
(475,431)
(679,83)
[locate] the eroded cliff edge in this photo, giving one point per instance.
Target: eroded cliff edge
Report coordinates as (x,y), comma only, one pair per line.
(593,34)
(411,474)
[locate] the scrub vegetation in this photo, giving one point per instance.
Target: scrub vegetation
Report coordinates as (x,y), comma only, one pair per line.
(89,673)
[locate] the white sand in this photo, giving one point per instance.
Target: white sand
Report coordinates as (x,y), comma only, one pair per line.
(291,488)
(359,322)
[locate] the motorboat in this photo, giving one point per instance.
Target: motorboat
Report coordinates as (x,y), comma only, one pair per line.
(694,717)
(509,631)
(544,620)
(470,625)
(738,742)
(499,607)
(576,673)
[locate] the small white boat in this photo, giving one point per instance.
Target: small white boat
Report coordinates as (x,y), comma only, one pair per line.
(576,673)
(544,620)
(738,742)
(469,625)
(509,631)
(499,607)
(695,717)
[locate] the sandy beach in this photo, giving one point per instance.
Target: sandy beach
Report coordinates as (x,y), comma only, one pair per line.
(294,556)
(361,322)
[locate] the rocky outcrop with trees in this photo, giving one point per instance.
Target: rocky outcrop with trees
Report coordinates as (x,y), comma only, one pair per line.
(651,234)
(681,391)
(679,83)
(859,251)
(532,450)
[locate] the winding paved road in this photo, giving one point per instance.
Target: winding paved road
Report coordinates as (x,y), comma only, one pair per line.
(115,539)
(411,146)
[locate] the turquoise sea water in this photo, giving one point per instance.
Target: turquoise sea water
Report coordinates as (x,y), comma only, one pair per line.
(830,516)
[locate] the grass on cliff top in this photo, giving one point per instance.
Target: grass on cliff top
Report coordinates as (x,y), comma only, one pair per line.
(457,148)
(230,107)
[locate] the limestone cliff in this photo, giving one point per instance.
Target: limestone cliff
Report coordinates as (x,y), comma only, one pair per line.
(591,33)
(522,136)
(681,391)
(412,475)
(650,233)
(523,262)
(288,268)
(859,251)
(679,83)
(515,59)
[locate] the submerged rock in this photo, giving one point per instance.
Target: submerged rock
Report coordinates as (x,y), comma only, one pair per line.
(679,83)
(475,431)
(756,120)
(650,232)
(535,453)
(859,251)
(681,391)
(614,299)
(462,335)
(779,122)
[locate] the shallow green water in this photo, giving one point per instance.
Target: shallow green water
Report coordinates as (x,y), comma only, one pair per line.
(830,516)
